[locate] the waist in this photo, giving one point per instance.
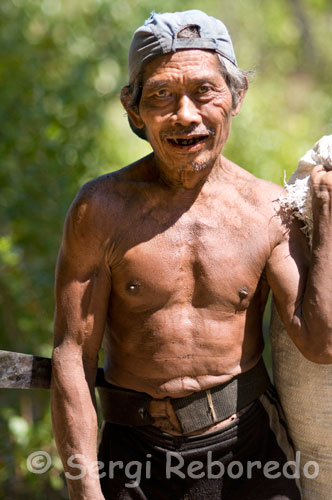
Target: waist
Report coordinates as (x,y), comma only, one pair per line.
(204,410)
(166,420)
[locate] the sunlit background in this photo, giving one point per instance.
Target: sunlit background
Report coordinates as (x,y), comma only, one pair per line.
(62,65)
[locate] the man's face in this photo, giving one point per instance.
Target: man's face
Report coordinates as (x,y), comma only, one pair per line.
(185,109)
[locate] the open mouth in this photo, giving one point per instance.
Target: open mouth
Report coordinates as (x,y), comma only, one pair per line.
(185,142)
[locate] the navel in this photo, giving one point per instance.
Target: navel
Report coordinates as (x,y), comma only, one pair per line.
(133,287)
(243,292)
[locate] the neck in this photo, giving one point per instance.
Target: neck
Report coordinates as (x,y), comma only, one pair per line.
(187,178)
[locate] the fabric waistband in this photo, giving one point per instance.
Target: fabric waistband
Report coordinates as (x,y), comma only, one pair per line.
(194,412)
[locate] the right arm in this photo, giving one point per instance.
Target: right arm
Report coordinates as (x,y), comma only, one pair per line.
(83,285)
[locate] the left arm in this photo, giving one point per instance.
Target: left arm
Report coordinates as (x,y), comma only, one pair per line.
(302,283)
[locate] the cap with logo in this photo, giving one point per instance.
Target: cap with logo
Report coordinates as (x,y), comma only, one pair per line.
(161,34)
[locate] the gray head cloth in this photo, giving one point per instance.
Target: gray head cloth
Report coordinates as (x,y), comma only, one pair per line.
(160,35)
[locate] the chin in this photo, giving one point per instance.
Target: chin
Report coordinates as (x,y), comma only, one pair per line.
(197,166)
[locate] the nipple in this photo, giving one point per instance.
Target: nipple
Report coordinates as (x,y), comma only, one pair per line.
(133,287)
(243,292)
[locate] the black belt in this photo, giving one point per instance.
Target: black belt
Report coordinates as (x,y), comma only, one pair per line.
(194,412)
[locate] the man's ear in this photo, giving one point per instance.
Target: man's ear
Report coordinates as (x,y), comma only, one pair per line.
(132,111)
(237,108)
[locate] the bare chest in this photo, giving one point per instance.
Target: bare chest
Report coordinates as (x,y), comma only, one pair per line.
(211,260)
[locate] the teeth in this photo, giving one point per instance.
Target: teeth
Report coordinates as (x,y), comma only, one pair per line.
(186,142)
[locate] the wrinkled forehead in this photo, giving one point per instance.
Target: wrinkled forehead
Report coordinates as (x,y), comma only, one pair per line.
(184,64)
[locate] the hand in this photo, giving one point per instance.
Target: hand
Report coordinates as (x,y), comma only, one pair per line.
(321,185)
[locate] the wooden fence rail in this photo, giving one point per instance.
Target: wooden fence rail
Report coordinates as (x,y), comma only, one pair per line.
(25,371)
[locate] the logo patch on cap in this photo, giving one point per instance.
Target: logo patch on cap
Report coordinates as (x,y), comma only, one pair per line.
(190,31)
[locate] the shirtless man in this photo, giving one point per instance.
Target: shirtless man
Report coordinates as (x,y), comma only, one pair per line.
(170,261)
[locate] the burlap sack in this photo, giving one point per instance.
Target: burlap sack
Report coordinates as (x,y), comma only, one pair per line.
(305,391)
(305,388)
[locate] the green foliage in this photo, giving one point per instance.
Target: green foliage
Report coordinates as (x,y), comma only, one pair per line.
(62,65)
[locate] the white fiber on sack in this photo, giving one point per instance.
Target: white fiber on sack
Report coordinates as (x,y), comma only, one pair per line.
(297,194)
(304,387)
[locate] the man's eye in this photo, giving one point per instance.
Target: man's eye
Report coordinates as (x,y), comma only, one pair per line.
(162,93)
(204,89)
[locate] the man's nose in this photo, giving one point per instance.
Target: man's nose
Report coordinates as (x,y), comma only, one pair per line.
(186,111)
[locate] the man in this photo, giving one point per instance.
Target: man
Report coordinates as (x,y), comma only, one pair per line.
(170,260)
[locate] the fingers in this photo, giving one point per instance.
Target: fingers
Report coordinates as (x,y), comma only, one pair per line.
(321,174)
(317,169)
(321,186)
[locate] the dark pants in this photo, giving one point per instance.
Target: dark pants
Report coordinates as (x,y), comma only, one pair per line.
(154,465)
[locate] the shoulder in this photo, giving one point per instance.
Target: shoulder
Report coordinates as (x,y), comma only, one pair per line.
(98,207)
(282,225)
(102,199)
(89,205)
(259,192)
(262,200)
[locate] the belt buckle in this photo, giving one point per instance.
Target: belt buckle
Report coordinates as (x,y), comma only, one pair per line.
(164,416)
